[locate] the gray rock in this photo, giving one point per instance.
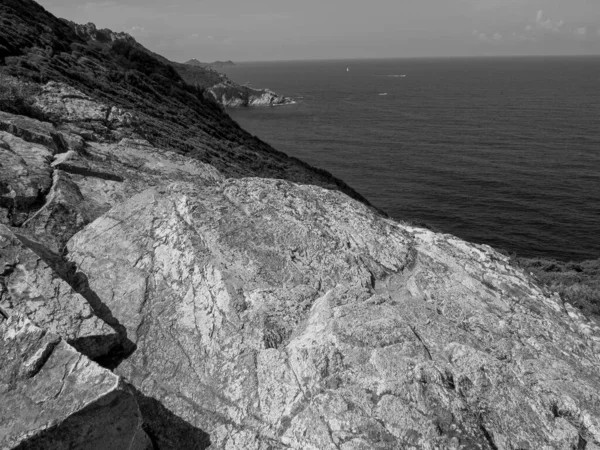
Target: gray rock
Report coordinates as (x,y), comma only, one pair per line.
(55,398)
(31,130)
(25,176)
(272,315)
(35,286)
(88,182)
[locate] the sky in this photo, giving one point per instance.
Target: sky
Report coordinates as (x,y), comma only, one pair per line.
(262,30)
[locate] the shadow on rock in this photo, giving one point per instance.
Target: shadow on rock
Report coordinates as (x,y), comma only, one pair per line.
(166,430)
(80,283)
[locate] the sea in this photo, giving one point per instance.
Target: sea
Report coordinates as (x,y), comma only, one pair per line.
(501,151)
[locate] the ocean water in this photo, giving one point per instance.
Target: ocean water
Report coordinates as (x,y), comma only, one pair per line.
(501,151)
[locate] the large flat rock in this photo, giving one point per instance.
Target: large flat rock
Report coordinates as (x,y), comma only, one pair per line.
(272,315)
(54,398)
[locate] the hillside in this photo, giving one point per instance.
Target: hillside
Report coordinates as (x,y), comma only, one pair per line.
(169,112)
(168,281)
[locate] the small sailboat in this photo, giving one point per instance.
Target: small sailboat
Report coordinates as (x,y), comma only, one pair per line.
(347,69)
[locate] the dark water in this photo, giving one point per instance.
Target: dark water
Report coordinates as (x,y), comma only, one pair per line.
(499,151)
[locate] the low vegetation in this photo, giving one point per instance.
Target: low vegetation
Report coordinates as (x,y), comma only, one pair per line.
(577,282)
(169,100)
(18,98)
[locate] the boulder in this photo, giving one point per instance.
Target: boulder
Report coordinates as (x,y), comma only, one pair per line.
(25,177)
(88,182)
(35,285)
(272,315)
(32,130)
(55,398)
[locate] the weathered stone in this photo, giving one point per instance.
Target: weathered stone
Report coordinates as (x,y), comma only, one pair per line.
(274,315)
(88,183)
(30,286)
(64,102)
(30,130)
(52,397)
(25,176)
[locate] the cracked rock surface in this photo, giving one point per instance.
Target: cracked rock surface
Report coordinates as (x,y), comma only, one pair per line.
(272,315)
(55,398)
(29,285)
(25,176)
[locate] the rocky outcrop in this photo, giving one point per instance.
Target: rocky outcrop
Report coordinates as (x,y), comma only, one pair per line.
(53,397)
(89,32)
(57,181)
(232,95)
(272,315)
(225,91)
(216,64)
(41,287)
(25,176)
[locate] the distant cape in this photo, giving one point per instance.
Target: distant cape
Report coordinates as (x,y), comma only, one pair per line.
(195,62)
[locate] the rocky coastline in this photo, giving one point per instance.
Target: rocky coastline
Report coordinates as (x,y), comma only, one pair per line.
(232,95)
(168,281)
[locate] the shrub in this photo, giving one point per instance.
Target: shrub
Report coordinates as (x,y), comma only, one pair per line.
(576,282)
(17,97)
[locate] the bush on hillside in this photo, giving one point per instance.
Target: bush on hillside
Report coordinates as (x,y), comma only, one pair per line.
(17,97)
(576,282)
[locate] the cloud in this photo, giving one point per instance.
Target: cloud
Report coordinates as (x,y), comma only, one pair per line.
(581,31)
(492,39)
(544,24)
(137,31)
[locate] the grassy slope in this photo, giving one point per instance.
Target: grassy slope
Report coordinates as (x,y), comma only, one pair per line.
(38,47)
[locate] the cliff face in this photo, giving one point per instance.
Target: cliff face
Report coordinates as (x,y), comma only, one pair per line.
(226,92)
(232,95)
(151,297)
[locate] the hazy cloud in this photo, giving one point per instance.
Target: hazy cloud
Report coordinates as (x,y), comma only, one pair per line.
(137,31)
(542,23)
(491,39)
(581,31)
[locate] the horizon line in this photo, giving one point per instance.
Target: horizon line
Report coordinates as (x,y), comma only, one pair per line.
(411,58)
